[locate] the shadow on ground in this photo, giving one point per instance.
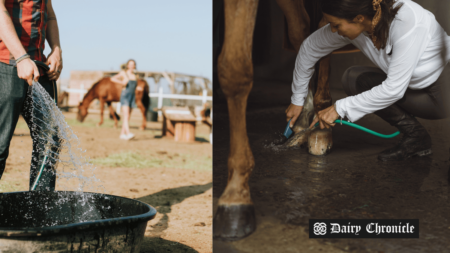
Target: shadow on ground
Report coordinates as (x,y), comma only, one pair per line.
(164,200)
(159,245)
(201,139)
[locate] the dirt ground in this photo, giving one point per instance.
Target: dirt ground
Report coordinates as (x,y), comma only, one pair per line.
(175,178)
(289,187)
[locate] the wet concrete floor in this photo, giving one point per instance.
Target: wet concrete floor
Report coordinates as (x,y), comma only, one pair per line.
(289,187)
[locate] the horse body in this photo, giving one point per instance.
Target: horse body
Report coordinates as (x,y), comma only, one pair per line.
(107,91)
(235,216)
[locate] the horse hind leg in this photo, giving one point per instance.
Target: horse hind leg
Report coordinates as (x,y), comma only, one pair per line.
(141,107)
(321,140)
(235,216)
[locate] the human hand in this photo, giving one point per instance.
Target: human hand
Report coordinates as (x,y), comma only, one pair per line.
(292,112)
(54,59)
(326,118)
(27,70)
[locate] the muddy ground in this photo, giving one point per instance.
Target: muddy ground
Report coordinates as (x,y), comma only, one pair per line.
(175,178)
(289,187)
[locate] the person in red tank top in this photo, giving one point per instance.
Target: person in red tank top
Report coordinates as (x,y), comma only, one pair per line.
(24,27)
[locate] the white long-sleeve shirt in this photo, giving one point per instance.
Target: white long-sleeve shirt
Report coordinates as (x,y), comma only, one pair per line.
(420,50)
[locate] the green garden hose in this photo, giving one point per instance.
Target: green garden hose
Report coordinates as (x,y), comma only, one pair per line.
(38,177)
(39,174)
(386,136)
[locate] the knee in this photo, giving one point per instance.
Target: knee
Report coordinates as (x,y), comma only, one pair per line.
(349,81)
(235,75)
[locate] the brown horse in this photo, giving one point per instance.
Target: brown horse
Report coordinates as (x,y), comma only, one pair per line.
(235,216)
(107,92)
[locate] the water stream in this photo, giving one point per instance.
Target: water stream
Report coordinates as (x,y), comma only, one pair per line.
(61,145)
(61,148)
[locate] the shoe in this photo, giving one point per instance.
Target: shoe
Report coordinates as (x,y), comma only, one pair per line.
(123,137)
(130,136)
(415,140)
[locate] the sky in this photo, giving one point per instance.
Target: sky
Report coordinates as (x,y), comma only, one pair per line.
(169,35)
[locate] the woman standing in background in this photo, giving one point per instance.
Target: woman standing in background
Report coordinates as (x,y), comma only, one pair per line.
(128,79)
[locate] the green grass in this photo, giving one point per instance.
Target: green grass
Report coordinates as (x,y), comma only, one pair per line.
(135,160)
(202,137)
(8,187)
(22,125)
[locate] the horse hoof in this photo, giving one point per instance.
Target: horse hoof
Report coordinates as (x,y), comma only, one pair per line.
(298,139)
(142,128)
(234,222)
(99,124)
(320,141)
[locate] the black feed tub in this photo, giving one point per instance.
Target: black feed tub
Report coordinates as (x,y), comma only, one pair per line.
(65,221)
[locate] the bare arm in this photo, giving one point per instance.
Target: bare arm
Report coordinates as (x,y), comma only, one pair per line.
(8,33)
(120,78)
(55,56)
(26,69)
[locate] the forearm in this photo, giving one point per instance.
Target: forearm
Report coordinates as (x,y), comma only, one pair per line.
(8,34)
(372,100)
(52,29)
(53,34)
(124,83)
(117,80)
(319,44)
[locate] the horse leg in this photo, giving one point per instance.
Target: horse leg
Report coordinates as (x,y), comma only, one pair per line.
(235,216)
(321,140)
(297,22)
(301,127)
(113,114)
(102,106)
(298,28)
(141,106)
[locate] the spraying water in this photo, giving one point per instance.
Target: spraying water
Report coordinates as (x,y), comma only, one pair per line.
(60,146)
(59,150)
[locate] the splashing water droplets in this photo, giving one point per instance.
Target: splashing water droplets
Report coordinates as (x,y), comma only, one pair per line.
(74,171)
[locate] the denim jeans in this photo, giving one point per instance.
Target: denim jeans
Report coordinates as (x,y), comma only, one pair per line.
(15,99)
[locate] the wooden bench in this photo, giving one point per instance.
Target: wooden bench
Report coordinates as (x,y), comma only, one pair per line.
(179,123)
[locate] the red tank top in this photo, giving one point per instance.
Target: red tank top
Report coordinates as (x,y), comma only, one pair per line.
(29,18)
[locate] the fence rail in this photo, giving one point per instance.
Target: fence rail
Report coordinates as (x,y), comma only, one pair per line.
(160,95)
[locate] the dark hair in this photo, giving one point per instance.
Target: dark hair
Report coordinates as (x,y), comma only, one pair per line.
(349,9)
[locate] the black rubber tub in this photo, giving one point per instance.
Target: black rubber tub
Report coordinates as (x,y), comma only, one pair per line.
(66,221)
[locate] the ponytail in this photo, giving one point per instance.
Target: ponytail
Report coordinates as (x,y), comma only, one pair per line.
(383,21)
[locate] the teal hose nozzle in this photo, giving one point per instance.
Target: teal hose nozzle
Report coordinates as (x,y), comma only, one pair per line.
(288,131)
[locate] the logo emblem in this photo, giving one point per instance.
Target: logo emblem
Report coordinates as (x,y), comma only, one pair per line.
(320,228)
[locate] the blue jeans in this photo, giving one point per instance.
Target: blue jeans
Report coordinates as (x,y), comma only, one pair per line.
(15,99)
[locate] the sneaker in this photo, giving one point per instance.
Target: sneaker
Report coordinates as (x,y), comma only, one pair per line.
(123,137)
(130,136)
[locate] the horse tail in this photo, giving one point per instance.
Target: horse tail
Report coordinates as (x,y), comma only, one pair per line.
(111,116)
(145,96)
(117,115)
